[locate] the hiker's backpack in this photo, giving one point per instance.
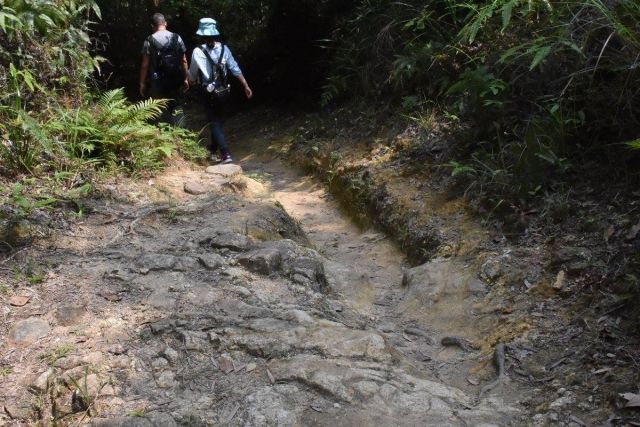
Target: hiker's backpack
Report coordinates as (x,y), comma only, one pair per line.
(166,61)
(218,85)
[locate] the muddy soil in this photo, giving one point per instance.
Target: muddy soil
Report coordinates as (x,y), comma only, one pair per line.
(246,295)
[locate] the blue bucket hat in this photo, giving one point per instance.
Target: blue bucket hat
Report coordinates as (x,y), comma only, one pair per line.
(208,27)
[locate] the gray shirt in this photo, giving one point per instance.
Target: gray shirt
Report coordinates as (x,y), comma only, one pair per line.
(163,38)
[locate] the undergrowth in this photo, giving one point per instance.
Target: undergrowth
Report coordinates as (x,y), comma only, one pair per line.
(57,136)
(537,91)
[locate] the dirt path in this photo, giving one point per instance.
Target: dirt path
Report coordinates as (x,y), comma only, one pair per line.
(208,297)
(412,308)
(194,310)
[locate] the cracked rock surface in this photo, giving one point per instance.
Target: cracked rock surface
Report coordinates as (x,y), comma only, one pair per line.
(219,313)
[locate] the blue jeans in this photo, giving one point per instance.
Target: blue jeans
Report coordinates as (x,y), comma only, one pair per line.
(217,136)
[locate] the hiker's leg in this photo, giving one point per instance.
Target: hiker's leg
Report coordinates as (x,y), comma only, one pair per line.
(159,90)
(217,135)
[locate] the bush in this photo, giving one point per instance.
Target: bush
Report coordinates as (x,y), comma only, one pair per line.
(534,82)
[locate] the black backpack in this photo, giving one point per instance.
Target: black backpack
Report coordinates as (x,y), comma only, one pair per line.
(218,86)
(166,61)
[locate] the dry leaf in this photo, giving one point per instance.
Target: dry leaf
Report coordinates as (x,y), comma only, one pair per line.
(633,400)
(225,364)
(561,280)
(272,379)
(19,301)
(609,232)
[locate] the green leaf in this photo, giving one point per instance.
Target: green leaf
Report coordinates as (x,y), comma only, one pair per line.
(541,54)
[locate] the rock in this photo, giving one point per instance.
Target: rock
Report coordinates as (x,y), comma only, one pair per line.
(152,420)
(427,283)
(159,363)
(166,262)
(573,258)
(161,299)
(566,399)
(16,412)
(226,171)
(279,338)
(214,339)
(166,379)
(387,328)
(211,261)
(477,287)
(117,349)
(41,383)
(310,267)
(195,188)
(161,326)
(157,262)
(171,355)
(300,317)
(491,270)
(419,333)
(382,395)
(262,261)
(251,367)
(275,406)
(186,263)
(69,314)
(193,340)
(29,330)
(226,239)
(19,300)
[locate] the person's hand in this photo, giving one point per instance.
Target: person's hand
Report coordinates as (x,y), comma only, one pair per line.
(248,92)
(141,90)
(185,85)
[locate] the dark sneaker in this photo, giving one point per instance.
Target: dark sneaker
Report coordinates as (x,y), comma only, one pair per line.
(227,159)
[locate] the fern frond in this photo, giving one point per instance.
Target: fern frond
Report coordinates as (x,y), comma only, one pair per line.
(149,109)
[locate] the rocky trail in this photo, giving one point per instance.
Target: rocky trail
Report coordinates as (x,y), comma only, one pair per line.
(243,295)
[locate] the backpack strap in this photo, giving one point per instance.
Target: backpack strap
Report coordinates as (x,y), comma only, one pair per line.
(215,66)
(155,49)
(160,48)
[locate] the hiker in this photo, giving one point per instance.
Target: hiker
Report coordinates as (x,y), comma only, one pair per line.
(164,66)
(211,63)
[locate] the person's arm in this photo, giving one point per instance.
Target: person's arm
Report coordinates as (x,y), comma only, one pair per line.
(185,69)
(144,70)
(185,64)
(235,70)
(247,90)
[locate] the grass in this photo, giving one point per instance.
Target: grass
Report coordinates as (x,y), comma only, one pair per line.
(261,177)
(58,353)
(140,412)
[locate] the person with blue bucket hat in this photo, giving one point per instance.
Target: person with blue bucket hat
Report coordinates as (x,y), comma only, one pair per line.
(210,64)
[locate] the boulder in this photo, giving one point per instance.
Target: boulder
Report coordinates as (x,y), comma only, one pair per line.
(29,330)
(226,171)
